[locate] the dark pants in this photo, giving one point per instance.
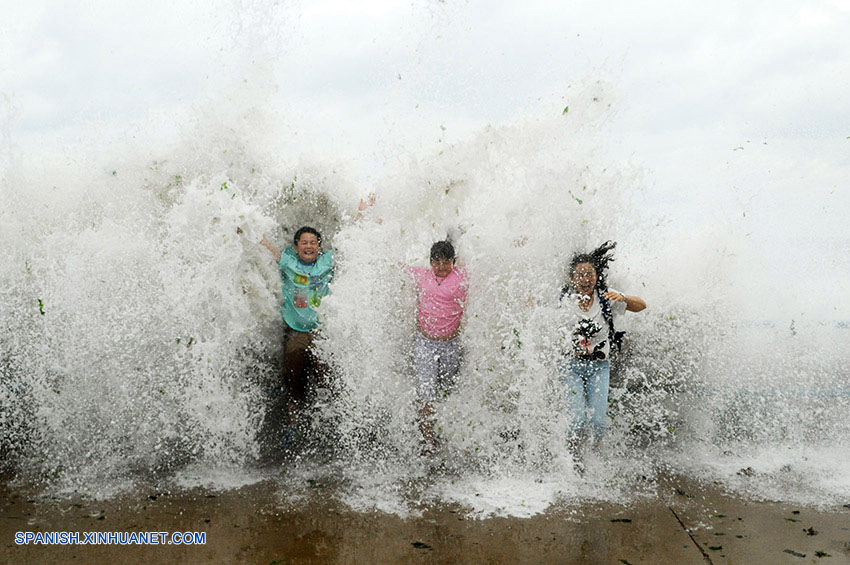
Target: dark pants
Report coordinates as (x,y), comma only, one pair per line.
(302,370)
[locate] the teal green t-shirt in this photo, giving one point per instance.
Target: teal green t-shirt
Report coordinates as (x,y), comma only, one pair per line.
(304,285)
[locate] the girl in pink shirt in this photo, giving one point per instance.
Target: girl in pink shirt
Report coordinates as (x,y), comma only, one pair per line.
(441,291)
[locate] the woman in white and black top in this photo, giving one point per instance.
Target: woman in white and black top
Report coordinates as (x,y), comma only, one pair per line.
(584,369)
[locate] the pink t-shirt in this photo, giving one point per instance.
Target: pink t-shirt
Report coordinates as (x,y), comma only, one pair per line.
(441,301)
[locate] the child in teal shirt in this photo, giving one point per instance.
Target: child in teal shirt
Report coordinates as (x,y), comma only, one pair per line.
(305,272)
(304,285)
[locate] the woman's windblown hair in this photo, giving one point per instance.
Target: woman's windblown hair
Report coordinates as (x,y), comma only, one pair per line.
(599,258)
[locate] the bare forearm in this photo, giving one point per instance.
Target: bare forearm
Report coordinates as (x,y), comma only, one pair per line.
(275,251)
(634,303)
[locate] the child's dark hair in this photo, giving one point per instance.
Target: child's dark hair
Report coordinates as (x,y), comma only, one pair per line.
(599,258)
(442,250)
(306,229)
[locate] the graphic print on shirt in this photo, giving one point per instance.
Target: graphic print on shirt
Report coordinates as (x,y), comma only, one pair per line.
(304,286)
(299,295)
(583,334)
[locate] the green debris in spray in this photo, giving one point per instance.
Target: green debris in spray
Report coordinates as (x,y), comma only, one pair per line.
(577,199)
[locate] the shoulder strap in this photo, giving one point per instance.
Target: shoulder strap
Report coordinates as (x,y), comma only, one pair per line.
(615,338)
(606,310)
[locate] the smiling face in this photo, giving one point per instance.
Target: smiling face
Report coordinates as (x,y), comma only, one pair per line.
(584,278)
(442,267)
(307,248)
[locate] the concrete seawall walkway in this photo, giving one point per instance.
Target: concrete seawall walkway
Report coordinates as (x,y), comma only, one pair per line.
(686,522)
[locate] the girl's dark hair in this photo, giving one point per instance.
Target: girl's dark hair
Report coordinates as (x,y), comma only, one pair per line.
(599,258)
(306,229)
(442,250)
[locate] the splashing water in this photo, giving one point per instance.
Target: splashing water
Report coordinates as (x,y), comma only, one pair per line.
(141,334)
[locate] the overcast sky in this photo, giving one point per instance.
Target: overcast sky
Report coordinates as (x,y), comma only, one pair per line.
(748,100)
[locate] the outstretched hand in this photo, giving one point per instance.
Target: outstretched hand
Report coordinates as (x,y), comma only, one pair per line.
(633,303)
(366,203)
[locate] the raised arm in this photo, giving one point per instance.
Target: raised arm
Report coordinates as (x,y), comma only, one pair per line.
(275,251)
(363,205)
(633,303)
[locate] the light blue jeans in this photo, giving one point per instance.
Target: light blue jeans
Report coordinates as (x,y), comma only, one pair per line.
(586,395)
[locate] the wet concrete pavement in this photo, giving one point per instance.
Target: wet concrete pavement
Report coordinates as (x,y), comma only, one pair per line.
(685,522)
